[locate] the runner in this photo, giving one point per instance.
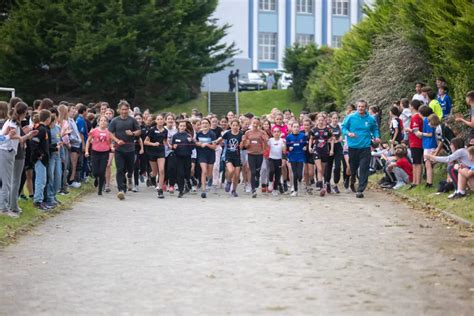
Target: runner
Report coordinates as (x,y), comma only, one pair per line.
(156,140)
(336,159)
(323,147)
(206,155)
(297,143)
(183,145)
(309,159)
(232,147)
(277,148)
(170,160)
(255,140)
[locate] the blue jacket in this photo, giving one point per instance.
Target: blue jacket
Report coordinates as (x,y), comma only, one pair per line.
(364,127)
(297,143)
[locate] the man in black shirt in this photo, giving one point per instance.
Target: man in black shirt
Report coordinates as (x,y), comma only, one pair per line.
(125,128)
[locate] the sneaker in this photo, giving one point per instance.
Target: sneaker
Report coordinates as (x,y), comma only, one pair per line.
(164,188)
(248,189)
(135,188)
(129,184)
(399,185)
(96,182)
(209,182)
(160,194)
(387,185)
(322,192)
(328,188)
(64,192)
(285,186)
(294,193)
(75,185)
(180,195)
(348,191)
(148,183)
(359,195)
(254,194)
(336,189)
(319,186)
(353,187)
(121,195)
(456,195)
(41,207)
(412,186)
(346,183)
(270,187)
(203,195)
(282,191)
(99,192)
(234,194)
(171,189)
(107,189)
(142,178)
(428,186)
(23,197)
(227,186)
(275,193)
(193,189)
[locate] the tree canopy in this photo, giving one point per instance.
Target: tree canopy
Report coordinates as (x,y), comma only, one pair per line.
(111,49)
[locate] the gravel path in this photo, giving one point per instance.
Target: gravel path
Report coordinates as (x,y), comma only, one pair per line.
(222,255)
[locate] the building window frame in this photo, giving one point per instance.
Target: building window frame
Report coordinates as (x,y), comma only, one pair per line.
(304,39)
(267,5)
(268,47)
(336,41)
(340,7)
(304,6)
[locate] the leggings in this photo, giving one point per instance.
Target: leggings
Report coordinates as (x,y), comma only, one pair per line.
(99,164)
(255,165)
(183,164)
(140,166)
(124,162)
(170,167)
(335,160)
(297,168)
(275,172)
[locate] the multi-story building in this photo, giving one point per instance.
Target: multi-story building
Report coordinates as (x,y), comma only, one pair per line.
(263,29)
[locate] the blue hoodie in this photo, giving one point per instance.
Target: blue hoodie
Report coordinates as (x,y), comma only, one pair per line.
(364,127)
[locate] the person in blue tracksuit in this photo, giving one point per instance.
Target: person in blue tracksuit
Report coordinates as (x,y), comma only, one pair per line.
(360,128)
(445,101)
(296,143)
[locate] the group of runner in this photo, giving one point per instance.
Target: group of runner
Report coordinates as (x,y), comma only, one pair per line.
(277,153)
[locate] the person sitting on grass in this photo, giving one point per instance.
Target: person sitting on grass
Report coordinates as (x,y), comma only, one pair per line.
(401,168)
(465,177)
(457,160)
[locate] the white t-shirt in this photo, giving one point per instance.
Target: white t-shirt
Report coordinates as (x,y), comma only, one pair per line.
(276,148)
(420,98)
(10,144)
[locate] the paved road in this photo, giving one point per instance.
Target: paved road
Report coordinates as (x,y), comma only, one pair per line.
(277,256)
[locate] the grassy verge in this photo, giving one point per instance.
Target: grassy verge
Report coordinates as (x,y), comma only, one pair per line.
(257,102)
(10,228)
(463,208)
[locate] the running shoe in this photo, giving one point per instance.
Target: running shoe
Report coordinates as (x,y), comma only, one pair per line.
(254,194)
(75,185)
(180,195)
(399,185)
(275,193)
(336,189)
(142,178)
(135,188)
(164,187)
(248,189)
(234,194)
(203,195)
(328,188)
(359,195)
(412,186)
(171,189)
(285,186)
(129,184)
(353,188)
(23,197)
(99,192)
(456,195)
(96,182)
(346,183)
(428,185)
(41,207)
(282,191)
(160,194)
(227,186)
(322,192)
(294,193)
(319,186)
(193,189)
(107,189)
(148,182)
(121,195)
(209,182)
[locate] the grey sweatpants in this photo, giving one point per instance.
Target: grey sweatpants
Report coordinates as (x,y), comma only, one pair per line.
(401,175)
(16,181)
(7,160)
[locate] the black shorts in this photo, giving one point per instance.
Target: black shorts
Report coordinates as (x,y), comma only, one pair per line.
(76,150)
(234,161)
(309,158)
(284,156)
(417,156)
(209,158)
(155,155)
(321,154)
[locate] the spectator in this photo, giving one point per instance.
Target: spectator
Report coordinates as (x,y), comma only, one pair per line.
(429,143)
(396,127)
(465,177)
(445,101)
(470,123)
(416,147)
(418,95)
(432,102)
(401,168)
(405,116)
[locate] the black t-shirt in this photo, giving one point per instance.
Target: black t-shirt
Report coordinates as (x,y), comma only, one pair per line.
(185,144)
(206,138)
(40,145)
(321,137)
(118,126)
(156,135)
(232,144)
(337,133)
(218,131)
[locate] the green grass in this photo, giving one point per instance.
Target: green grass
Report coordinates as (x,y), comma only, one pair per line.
(10,228)
(461,207)
(256,102)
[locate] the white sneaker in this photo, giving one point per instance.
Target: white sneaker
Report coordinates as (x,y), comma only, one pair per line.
(275,192)
(75,185)
(294,193)
(399,185)
(248,189)
(193,189)
(135,188)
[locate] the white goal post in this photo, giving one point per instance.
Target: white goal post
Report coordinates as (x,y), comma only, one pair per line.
(10,90)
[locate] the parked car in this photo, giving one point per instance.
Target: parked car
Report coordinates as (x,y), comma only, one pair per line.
(285,81)
(251,81)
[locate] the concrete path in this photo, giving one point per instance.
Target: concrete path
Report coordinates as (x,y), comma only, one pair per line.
(240,256)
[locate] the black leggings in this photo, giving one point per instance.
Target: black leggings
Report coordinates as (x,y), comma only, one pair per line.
(99,164)
(183,164)
(170,167)
(297,169)
(275,172)
(140,166)
(255,165)
(335,160)
(124,162)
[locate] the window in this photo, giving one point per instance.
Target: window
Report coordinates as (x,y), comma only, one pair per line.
(267,46)
(304,39)
(267,5)
(340,7)
(336,41)
(304,6)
